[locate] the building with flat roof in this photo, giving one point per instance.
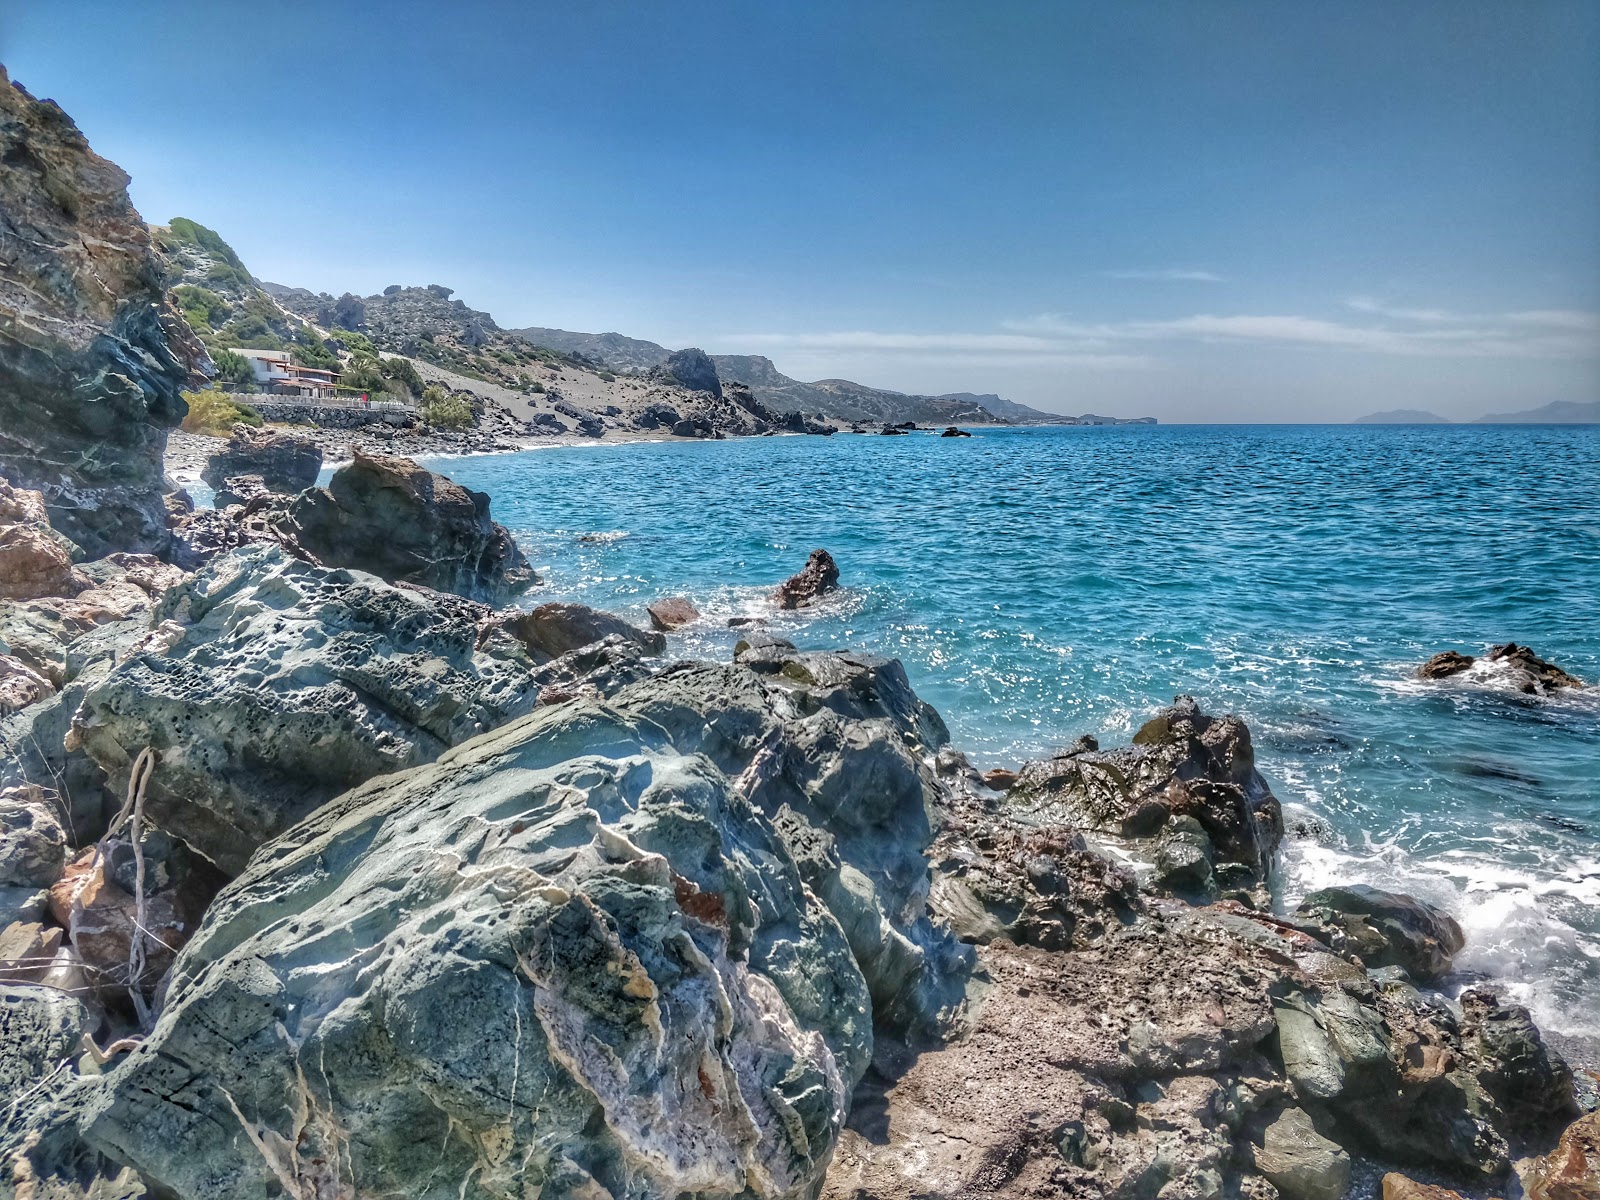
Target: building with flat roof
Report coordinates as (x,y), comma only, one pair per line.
(276,371)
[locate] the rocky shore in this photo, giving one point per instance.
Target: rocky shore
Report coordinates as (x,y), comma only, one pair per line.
(333,865)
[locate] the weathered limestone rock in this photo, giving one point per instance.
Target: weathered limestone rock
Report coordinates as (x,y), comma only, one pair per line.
(1299,1161)
(93,356)
(816,579)
(672,612)
(33,842)
(403,523)
(285,683)
(566,957)
(283,461)
(1183,763)
(39,1027)
(552,630)
(1384,929)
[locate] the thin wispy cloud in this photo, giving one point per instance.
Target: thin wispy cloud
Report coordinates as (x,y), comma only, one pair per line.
(1554,334)
(1167,275)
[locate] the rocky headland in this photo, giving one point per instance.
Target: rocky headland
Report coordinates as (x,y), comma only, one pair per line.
(333,865)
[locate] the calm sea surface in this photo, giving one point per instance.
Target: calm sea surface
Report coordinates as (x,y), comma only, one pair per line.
(1044,583)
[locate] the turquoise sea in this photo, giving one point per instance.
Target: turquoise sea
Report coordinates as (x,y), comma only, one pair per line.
(1044,583)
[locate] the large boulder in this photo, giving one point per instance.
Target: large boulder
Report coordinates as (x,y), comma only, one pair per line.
(567,959)
(694,369)
(279,684)
(1572,1170)
(1383,929)
(1182,763)
(554,629)
(283,461)
(93,355)
(1299,1161)
(402,522)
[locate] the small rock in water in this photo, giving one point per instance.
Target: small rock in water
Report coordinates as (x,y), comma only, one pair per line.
(672,613)
(819,577)
(1539,675)
(953,432)
(1443,665)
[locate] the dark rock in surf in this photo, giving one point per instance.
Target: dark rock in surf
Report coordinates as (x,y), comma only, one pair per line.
(1445,664)
(672,612)
(816,579)
(1383,929)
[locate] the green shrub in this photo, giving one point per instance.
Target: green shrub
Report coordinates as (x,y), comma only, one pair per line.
(363,375)
(233,368)
(201,307)
(608,376)
(356,343)
(309,351)
(402,372)
(215,413)
(442,410)
(536,386)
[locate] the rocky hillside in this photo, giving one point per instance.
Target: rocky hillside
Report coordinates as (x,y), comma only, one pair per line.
(93,356)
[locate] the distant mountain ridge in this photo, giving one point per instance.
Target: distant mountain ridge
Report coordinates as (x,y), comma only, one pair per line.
(1402,416)
(1557,412)
(841,398)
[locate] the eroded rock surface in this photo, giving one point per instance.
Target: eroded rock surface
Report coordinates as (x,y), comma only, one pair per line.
(567,957)
(283,461)
(93,356)
(816,579)
(283,683)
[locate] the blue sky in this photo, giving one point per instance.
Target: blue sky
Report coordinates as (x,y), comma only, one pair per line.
(1213,210)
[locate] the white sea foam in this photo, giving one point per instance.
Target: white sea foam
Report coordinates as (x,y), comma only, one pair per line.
(1513,938)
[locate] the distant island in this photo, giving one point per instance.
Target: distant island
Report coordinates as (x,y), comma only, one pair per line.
(1401,416)
(1558,412)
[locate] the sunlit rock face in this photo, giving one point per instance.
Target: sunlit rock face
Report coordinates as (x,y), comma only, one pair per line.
(93,356)
(566,957)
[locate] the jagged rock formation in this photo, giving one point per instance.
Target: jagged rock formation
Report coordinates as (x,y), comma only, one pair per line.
(93,357)
(694,369)
(1186,796)
(815,580)
(280,461)
(380,514)
(1507,665)
(257,719)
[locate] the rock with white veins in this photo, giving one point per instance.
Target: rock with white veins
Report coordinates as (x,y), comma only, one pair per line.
(564,960)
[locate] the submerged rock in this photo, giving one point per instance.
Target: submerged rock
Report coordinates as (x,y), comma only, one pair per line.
(1520,667)
(567,957)
(816,579)
(285,683)
(94,356)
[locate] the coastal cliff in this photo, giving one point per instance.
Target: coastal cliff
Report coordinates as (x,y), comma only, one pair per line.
(93,355)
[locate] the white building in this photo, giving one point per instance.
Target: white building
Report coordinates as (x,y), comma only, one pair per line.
(277,372)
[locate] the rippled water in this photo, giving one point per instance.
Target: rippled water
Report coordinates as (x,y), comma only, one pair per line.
(1044,583)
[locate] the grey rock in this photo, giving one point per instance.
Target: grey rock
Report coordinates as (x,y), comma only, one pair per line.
(554,629)
(39,1028)
(95,355)
(1193,764)
(816,579)
(401,522)
(283,683)
(33,841)
(1299,1161)
(1384,929)
(1183,859)
(283,461)
(694,369)
(566,955)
